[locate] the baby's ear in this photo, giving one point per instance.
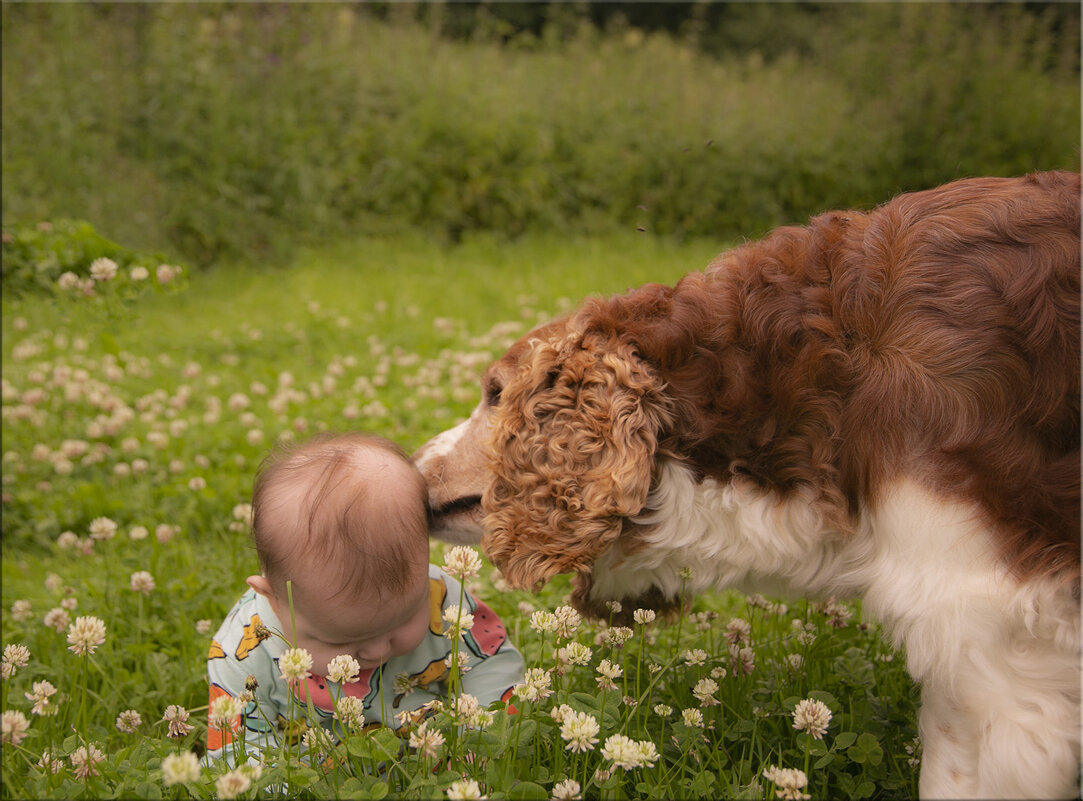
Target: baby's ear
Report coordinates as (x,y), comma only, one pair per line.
(261,585)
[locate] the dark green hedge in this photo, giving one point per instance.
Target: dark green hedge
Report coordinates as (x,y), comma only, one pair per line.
(238,131)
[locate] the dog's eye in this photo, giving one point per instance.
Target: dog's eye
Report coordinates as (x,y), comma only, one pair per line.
(492,393)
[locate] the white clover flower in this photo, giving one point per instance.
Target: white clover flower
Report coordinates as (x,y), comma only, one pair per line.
(176,716)
(351,711)
(103,269)
(805,632)
(789,782)
(295,664)
(21,610)
(795,661)
(57,618)
(624,752)
(343,669)
(459,620)
(51,761)
(617,636)
(644,616)
(42,692)
(543,621)
(664,710)
(83,760)
(462,562)
(608,672)
(461,658)
(739,631)
(14,727)
(579,730)
(68,280)
(704,692)
(568,621)
(139,273)
(536,685)
(129,721)
(102,528)
(574,653)
(223,710)
(695,657)
(481,719)
(838,615)
(567,790)
(812,716)
(142,581)
(203,626)
(464,790)
(166,273)
(559,712)
(243,513)
(180,768)
(17,655)
(742,660)
(67,541)
(692,717)
(648,753)
(317,741)
(232,784)
(466,705)
(427,743)
(85,634)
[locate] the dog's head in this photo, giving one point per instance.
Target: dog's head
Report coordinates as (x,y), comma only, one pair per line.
(555,458)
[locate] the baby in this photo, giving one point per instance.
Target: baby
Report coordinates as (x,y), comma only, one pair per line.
(343,519)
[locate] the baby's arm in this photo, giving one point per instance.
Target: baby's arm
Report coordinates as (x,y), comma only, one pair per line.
(257,724)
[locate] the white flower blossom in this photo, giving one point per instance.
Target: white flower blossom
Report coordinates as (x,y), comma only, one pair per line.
(180,768)
(85,635)
(579,730)
(812,716)
(343,669)
(789,782)
(462,562)
(295,664)
(427,742)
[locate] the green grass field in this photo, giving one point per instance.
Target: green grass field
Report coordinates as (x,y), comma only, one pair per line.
(153,408)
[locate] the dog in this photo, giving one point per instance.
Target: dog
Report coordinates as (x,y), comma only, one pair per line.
(880,405)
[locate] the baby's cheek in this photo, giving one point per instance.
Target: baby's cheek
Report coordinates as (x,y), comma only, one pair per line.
(412,638)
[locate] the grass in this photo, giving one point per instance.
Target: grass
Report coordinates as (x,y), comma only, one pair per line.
(152,409)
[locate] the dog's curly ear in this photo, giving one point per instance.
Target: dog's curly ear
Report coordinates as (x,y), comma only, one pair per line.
(572,449)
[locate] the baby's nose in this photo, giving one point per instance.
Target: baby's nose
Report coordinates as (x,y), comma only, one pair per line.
(374,652)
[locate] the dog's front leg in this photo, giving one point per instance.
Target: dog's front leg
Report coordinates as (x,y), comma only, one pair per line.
(950,753)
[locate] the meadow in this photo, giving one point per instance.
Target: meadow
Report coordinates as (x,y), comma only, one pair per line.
(332,216)
(134,415)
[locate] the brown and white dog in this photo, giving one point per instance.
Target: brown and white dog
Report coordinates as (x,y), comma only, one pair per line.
(880,405)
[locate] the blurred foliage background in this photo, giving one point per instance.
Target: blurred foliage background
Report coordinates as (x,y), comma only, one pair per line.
(218,131)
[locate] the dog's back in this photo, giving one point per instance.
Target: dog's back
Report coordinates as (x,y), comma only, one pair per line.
(936,337)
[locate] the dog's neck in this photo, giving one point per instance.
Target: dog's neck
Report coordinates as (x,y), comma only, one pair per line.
(699,534)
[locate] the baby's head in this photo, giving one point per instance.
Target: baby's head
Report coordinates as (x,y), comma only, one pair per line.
(343,518)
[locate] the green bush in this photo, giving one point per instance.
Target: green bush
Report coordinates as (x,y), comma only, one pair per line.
(57,256)
(225,131)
